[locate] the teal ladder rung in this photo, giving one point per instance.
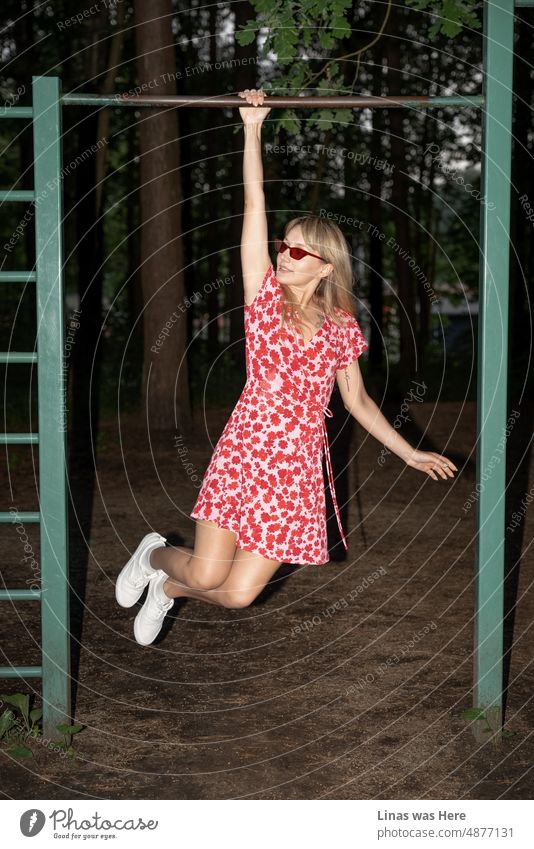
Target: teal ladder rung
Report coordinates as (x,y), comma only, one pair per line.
(16,111)
(21,671)
(17,194)
(18,277)
(18,356)
(20,595)
(20,517)
(18,438)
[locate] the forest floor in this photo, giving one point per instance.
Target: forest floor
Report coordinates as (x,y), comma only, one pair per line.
(342,681)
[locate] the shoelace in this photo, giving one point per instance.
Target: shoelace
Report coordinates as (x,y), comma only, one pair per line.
(143,577)
(140,582)
(162,606)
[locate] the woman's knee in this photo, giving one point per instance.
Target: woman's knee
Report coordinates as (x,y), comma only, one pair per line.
(207,577)
(237,599)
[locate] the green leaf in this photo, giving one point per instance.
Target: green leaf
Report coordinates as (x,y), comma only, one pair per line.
(7,721)
(472,713)
(284,44)
(19,750)
(290,121)
(36,714)
(340,26)
(325,118)
(449,16)
(269,6)
(332,70)
(326,39)
(244,37)
(248,32)
(450,28)
(307,35)
(20,701)
(70,729)
(345,116)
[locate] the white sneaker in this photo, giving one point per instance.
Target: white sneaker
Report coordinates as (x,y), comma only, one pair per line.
(149,620)
(134,577)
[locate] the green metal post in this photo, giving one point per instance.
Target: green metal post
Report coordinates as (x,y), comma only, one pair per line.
(52,413)
(493,356)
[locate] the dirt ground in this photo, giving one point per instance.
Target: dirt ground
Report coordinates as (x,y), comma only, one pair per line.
(342,681)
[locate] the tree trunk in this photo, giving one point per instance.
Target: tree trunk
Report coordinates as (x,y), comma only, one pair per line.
(165,375)
(188,58)
(376,260)
(107,87)
(89,252)
(135,292)
(399,198)
(427,262)
(26,319)
(422,240)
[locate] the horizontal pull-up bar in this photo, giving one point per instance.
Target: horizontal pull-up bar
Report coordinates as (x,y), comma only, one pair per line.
(225,101)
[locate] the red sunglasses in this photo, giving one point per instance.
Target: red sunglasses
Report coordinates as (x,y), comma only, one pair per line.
(294,253)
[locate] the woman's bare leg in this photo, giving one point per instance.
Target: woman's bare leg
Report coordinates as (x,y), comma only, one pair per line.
(204,567)
(247,577)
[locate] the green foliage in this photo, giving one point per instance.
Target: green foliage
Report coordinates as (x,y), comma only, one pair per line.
(16,730)
(21,701)
(449,16)
(472,713)
(476,714)
(23,726)
(291,28)
(248,33)
(65,744)
(298,33)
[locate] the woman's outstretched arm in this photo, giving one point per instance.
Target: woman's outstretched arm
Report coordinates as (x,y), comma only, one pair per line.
(255,259)
(362,407)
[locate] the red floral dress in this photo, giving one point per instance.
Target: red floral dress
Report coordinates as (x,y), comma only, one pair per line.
(265,480)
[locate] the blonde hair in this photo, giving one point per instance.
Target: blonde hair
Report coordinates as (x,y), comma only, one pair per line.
(334,291)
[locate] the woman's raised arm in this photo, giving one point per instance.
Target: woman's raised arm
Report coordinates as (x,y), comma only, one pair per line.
(255,259)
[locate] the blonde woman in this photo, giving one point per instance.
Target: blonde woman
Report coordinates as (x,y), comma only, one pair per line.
(262,497)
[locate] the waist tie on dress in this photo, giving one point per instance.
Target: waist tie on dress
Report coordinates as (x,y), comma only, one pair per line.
(326,449)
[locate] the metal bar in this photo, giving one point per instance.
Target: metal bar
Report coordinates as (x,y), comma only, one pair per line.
(20,595)
(8,111)
(18,356)
(17,277)
(524,3)
(19,517)
(225,101)
(46,98)
(17,194)
(18,438)
(21,671)
(492,355)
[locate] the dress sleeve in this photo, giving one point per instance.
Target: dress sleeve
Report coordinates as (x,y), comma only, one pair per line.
(353,343)
(265,284)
